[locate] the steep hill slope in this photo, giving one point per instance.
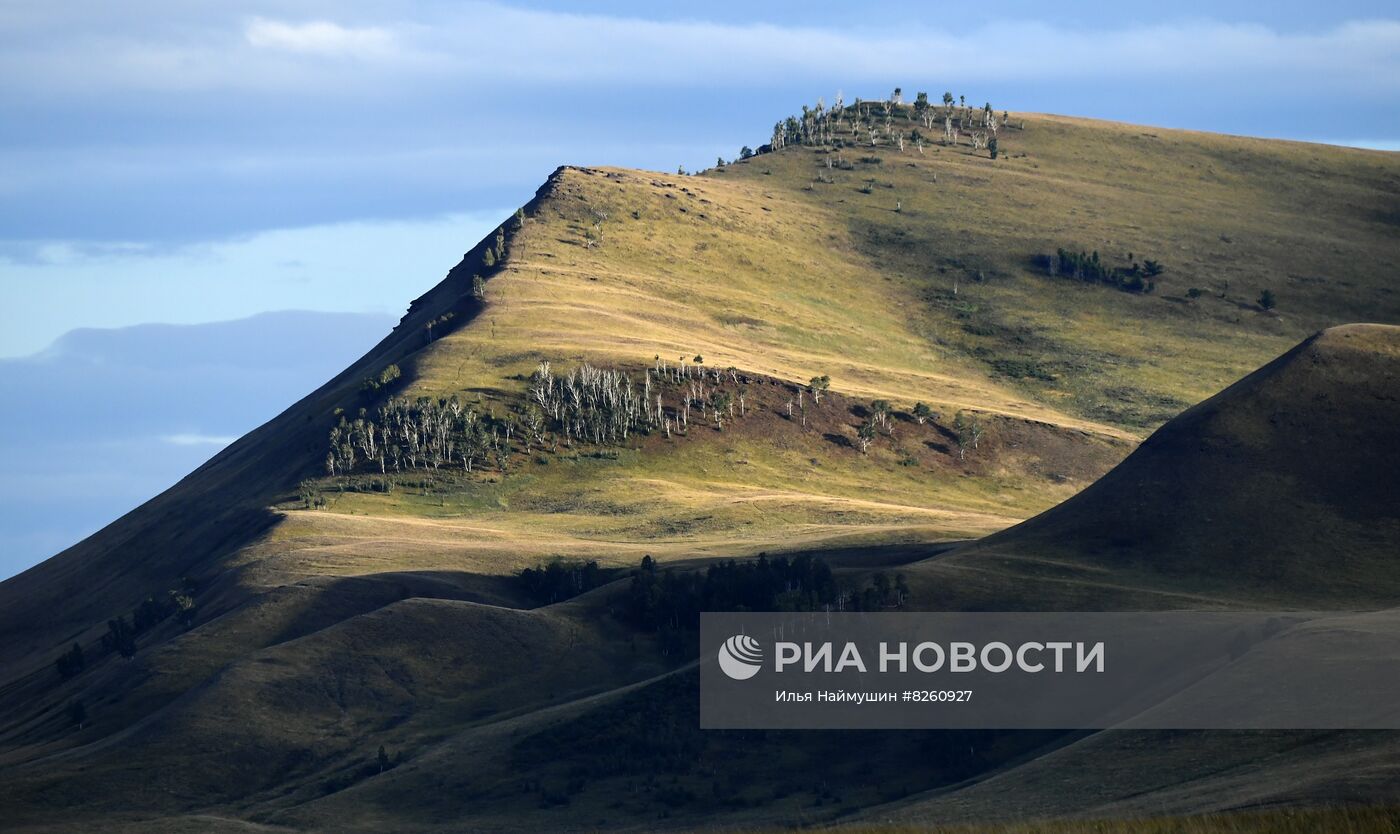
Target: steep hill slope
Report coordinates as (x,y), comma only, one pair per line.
(1282,487)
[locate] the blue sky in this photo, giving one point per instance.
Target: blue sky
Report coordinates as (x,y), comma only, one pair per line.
(178,162)
(104,419)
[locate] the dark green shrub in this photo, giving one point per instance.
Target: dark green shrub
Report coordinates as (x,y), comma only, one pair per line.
(70,662)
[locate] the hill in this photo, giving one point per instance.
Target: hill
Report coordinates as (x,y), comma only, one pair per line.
(313,605)
(1335,391)
(1277,493)
(1281,488)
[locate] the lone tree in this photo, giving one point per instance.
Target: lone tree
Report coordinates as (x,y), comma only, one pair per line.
(185,608)
(865,435)
(967,431)
(819,385)
(722,403)
(1267,300)
(70,662)
(880,413)
(922,413)
(120,637)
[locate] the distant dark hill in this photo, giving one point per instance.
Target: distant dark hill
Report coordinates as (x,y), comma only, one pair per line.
(1285,486)
(255,342)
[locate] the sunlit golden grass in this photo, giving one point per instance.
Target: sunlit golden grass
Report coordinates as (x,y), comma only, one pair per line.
(1226,215)
(742,491)
(759,266)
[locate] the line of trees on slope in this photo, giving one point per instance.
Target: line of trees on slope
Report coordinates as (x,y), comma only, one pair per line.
(150,612)
(585,405)
(560,579)
(967,430)
(121,635)
(422,433)
(593,404)
(122,631)
(873,124)
(600,406)
(1089,267)
(669,601)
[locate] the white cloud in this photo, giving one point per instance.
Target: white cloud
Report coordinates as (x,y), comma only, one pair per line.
(318,36)
(461,47)
(168,120)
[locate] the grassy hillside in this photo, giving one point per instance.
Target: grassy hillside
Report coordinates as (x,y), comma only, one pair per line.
(335,613)
(764,266)
(784,268)
(1228,216)
(1281,487)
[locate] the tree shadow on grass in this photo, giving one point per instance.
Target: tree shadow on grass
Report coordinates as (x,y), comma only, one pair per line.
(838,439)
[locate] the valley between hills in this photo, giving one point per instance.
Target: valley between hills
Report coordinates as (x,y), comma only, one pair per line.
(1112,368)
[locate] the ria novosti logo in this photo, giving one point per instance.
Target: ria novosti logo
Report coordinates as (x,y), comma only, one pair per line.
(740,657)
(1172,670)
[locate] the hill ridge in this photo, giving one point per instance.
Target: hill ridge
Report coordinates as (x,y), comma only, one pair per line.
(1287,435)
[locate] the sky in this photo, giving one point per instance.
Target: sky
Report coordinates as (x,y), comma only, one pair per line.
(163,161)
(104,419)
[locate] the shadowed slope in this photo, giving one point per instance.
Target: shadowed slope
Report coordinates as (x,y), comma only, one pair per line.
(210,514)
(1285,486)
